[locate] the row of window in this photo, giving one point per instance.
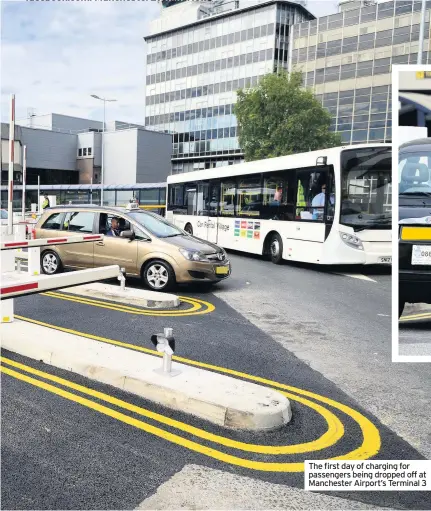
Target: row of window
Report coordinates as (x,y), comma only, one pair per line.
(355,16)
(364,91)
(346,71)
(292,195)
(218,146)
(85,151)
(205,134)
(358,43)
(213,66)
(204,90)
(189,115)
(209,44)
(364,136)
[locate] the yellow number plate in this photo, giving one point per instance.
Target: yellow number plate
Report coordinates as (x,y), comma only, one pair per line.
(222,270)
(416,233)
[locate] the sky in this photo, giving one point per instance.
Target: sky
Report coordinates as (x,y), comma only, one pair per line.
(55,54)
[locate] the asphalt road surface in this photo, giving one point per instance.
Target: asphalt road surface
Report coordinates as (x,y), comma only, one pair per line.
(415,331)
(326,332)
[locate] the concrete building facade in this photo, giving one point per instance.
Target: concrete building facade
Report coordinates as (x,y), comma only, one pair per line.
(71,153)
(195,64)
(195,67)
(346,59)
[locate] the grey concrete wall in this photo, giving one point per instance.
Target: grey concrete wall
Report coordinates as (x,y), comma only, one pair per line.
(153,156)
(65,122)
(59,122)
(120,157)
(49,149)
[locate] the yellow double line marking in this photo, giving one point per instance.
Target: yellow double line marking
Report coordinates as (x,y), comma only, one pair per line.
(369,447)
(197,306)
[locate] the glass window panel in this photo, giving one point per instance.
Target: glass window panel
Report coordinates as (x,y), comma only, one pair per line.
(53,222)
(227,199)
(249,197)
(81,221)
(359,136)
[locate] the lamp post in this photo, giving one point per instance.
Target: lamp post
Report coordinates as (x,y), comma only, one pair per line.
(103,141)
(422,32)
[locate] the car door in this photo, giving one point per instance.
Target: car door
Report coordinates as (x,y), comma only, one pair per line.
(78,255)
(115,249)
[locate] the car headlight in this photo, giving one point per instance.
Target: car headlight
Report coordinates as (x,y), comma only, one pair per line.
(193,255)
(351,240)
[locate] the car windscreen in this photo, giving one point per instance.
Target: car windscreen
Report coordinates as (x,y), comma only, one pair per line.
(414,172)
(156,225)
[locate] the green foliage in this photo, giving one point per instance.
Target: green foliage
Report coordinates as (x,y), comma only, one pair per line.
(280,117)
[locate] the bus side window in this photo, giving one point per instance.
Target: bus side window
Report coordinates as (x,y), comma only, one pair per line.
(227,201)
(213,198)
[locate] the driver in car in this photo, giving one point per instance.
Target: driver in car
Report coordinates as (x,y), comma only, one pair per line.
(115,228)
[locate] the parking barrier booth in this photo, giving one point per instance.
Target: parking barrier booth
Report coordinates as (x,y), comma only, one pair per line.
(13,284)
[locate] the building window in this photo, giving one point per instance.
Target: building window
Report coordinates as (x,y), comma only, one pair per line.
(84,151)
(89,151)
(79,152)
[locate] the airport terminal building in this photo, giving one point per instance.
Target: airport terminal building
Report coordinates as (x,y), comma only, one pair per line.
(197,58)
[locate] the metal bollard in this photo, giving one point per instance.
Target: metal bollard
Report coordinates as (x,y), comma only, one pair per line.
(165,343)
(122,279)
(167,357)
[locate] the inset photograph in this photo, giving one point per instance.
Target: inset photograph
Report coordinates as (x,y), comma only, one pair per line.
(414,179)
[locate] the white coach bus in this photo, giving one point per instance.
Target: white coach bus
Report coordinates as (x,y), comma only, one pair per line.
(331,206)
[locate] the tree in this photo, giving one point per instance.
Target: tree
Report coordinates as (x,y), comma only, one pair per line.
(280,117)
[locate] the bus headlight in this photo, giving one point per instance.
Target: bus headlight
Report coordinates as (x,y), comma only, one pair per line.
(351,240)
(193,255)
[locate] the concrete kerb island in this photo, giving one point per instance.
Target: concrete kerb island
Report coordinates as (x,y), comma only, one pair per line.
(130,296)
(217,398)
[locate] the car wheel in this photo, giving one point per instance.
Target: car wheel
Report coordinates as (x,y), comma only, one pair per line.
(50,263)
(401,305)
(189,229)
(276,249)
(159,276)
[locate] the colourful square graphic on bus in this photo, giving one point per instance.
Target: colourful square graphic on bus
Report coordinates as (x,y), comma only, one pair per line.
(256,235)
(236,232)
(249,234)
(237,224)
(250,225)
(257,226)
(243,233)
(244,224)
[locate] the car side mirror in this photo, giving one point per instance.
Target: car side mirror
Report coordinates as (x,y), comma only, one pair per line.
(127,234)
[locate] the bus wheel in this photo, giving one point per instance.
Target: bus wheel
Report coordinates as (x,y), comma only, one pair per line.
(189,229)
(401,305)
(276,249)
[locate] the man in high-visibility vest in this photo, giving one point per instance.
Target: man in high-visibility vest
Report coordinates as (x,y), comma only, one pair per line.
(46,202)
(300,200)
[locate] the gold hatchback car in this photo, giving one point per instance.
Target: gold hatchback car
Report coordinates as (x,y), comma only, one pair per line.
(143,243)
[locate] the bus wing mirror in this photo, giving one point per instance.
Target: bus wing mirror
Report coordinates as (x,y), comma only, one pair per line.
(322,160)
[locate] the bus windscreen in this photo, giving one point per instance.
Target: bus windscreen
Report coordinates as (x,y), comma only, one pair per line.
(366,188)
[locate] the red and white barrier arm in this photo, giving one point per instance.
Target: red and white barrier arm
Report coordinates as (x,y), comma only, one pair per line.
(83,238)
(11,288)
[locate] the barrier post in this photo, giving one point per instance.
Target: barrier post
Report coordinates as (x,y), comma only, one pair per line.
(6,307)
(33,261)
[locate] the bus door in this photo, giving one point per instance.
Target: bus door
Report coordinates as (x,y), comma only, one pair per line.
(213,200)
(330,201)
